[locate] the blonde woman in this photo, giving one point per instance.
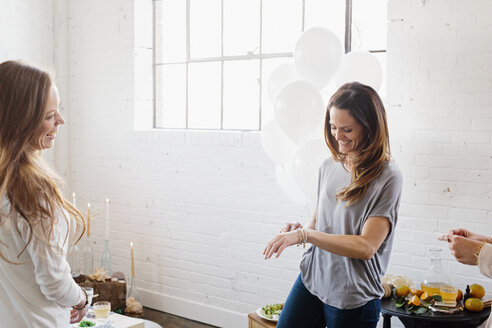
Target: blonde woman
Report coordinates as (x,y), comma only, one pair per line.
(36,287)
(353,227)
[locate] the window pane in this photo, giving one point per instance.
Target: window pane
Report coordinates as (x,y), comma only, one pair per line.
(281,25)
(327,14)
(171,96)
(170,30)
(241,94)
(204,95)
(205,28)
(268,66)
(369,24)
(241,27)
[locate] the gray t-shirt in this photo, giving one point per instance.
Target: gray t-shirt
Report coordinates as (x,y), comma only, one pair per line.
(339,281)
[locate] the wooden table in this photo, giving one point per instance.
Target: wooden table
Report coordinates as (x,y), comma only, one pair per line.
(431,319)
(255,321)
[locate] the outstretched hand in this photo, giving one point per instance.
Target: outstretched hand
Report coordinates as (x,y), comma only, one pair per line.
(280,242)
(462,248)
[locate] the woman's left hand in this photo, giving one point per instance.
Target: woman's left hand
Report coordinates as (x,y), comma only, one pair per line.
(280,242)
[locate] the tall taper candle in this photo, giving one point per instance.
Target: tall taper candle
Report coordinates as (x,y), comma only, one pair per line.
(107,219)
(133,264)
(74,201)
(88,219)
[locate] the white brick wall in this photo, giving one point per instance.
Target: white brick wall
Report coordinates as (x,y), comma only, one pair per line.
(200,206)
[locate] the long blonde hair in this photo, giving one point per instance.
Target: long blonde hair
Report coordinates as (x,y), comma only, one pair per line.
(29,183)
(366,107)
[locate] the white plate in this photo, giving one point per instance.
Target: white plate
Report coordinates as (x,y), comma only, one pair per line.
(259,312)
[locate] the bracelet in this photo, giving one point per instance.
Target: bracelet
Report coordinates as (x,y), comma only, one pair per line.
(299,232)
(477,252)
(85,304)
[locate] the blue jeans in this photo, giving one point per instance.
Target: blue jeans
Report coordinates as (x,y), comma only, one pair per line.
(304,310)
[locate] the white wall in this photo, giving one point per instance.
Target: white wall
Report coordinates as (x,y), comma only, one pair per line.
(26,33)
(201,205)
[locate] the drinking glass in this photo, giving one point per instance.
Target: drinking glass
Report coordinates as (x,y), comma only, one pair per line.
(90,293)
(449,294)
(101,310)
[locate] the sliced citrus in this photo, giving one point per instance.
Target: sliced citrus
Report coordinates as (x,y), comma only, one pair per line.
(414,301)
(417,292)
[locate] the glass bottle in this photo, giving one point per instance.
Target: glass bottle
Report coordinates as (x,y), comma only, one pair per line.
(87,258)
(132,291)
(435,278)
(106,258)
(73,259)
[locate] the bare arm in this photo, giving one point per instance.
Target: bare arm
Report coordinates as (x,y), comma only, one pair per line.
(362,246)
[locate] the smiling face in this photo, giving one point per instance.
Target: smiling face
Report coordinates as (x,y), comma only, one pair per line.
(346,130)
(45,137)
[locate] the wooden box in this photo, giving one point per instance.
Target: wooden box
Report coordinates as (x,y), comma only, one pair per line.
(254,321)
(110,291)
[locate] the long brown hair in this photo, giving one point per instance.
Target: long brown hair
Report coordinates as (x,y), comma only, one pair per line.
(366,107)
(29,183)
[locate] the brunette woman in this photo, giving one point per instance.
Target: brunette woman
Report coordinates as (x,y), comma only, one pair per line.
(353,227)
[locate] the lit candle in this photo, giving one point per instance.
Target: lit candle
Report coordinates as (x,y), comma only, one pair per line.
(74,201)
(133,264)
(88,219)
(107,219)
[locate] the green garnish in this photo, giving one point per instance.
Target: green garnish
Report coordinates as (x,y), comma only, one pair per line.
(86,323)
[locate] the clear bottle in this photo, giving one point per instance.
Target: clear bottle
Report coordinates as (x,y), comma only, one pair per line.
(106,258)
(87,258)
(435,278)
(132,291)
(73,259)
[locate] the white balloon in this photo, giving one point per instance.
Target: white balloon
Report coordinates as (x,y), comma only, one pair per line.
(280,77)
(306,162)
(287,183)
(317,55)
(276,144)
(360,66)
(299,110)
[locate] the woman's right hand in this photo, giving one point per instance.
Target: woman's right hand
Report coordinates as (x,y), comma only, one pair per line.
(468,234)
(290,226)
(78,315)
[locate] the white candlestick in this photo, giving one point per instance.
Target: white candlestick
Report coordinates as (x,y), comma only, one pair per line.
(107,219)
(74,201)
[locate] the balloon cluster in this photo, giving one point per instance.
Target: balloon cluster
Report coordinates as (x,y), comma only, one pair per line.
(294,140)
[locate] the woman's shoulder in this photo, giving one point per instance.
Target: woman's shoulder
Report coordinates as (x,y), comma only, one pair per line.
(391,172)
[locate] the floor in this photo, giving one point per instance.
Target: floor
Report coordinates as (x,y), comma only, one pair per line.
(167,320)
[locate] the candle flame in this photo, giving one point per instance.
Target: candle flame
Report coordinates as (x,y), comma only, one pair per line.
(107,200)
(131,244)
(89,205)
(73,195)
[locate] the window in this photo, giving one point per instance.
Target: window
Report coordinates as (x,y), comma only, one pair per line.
(212,58)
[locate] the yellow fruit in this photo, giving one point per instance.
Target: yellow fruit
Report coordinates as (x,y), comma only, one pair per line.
(417,292)
(414,301)
(424,296)
(401,291)
(477,291)
(474,305)
(459,296)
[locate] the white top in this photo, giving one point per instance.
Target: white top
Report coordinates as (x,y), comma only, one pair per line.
(485,266)
(40,291)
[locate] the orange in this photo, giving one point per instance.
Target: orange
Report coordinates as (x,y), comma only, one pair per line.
(459,296)
(401,291)
(414,301)
(424,296)
(477,291)
(415,291)
(474,304)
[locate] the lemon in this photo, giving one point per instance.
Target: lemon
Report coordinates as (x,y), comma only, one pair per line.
(401,291)
(477,291)
(474,304)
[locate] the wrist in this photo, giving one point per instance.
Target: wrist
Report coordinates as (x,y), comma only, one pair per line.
(83,304)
